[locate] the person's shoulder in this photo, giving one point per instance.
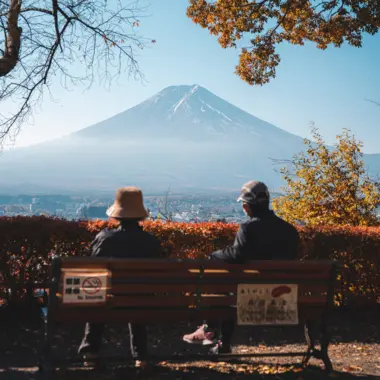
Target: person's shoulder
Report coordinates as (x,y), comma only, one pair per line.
(287,225)
(106,234)
(150,236)
(143,234)
(250,221)
(250,224)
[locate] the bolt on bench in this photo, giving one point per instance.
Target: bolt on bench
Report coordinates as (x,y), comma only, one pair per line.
(267,293)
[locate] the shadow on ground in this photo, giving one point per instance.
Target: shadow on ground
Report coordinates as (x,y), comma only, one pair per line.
(355,351)
(172,371)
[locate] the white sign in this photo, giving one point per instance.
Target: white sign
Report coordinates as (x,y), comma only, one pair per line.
(267,304)
(84,286)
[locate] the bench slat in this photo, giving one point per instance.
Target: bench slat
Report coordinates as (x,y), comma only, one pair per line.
(118,264)
(148,288)
(164,301)
(227,278)
(169,275)
(138,288)
(159,316)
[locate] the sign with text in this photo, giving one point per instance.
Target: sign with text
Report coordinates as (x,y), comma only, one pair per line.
(85,286)
(267,304)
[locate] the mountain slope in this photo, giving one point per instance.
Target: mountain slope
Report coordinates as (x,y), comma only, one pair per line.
(190,112)
(184,136)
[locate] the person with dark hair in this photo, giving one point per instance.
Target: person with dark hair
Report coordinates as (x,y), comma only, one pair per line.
(127,241)
(264,236)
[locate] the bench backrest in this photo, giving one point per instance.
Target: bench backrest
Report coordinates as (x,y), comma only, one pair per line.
(170,290)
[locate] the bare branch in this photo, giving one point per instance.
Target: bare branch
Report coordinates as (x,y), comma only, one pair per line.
(55,15)
(373,101)
(94,37)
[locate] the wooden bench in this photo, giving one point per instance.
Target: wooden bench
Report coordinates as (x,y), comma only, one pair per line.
(166,291)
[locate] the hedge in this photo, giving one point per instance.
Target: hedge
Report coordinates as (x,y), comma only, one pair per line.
(28,243)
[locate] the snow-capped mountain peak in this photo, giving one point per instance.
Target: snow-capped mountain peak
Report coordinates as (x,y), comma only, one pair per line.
(186,112)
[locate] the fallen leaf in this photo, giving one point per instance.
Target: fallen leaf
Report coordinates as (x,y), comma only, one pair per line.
(353,368)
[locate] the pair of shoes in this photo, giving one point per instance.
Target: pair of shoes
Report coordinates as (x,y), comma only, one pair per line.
(220,348)
(200,336)
(91,359)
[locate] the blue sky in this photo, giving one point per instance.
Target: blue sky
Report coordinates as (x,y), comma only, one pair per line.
(328,87)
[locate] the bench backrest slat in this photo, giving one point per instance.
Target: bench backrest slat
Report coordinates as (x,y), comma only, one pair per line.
(182,265)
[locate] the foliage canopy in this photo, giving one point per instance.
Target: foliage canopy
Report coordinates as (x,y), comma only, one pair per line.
(267,23)
(329,186)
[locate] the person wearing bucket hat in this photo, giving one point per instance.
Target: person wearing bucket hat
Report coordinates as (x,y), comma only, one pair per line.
(127,241)
(264,236)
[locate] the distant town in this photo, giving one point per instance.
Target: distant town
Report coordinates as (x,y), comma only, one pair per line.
(180,208)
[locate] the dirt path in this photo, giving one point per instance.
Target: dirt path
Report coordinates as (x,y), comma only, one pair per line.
(355,352)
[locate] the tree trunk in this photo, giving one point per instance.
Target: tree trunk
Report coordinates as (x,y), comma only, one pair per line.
(13,39)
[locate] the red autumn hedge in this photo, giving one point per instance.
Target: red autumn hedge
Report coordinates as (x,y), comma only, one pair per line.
(28,243)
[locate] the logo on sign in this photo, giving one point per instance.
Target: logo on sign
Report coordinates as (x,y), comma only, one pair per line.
(92,285)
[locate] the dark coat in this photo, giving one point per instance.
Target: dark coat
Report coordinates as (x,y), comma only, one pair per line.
(267,237)
(127,241)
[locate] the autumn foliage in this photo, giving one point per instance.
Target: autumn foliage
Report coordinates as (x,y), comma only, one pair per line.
(28,243)
(329,186)
(261,25)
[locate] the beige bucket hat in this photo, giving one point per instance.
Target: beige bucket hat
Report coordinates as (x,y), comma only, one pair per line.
(128,204)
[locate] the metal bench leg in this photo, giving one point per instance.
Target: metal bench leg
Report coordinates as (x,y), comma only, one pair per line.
(45,368)
(325,341)
(310,343)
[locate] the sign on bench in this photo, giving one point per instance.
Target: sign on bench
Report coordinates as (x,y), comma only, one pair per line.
(85,286)
(267,304)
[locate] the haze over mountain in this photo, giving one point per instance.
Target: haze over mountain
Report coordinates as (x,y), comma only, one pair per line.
(184,136)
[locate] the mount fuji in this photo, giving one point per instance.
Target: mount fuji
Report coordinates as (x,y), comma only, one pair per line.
(184,137)
(187,112)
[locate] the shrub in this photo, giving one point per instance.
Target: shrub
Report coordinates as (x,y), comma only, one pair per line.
(28,243)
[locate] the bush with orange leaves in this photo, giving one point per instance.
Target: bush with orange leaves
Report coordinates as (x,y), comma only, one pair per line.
(28,243)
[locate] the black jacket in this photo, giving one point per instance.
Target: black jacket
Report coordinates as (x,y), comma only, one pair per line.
(128,241)
(267,237)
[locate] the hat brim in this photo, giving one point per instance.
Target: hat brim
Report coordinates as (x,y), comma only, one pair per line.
(252,201)
(117,212)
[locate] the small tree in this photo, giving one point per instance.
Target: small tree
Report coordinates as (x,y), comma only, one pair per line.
(329,186)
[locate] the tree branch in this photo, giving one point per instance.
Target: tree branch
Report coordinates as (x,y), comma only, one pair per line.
(13,39)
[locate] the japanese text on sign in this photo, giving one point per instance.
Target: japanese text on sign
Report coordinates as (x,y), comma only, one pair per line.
(267,304)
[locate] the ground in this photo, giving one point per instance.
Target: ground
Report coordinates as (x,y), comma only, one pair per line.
(355,352)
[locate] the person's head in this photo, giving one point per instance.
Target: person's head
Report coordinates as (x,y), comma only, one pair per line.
(128,206)
(255,198)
